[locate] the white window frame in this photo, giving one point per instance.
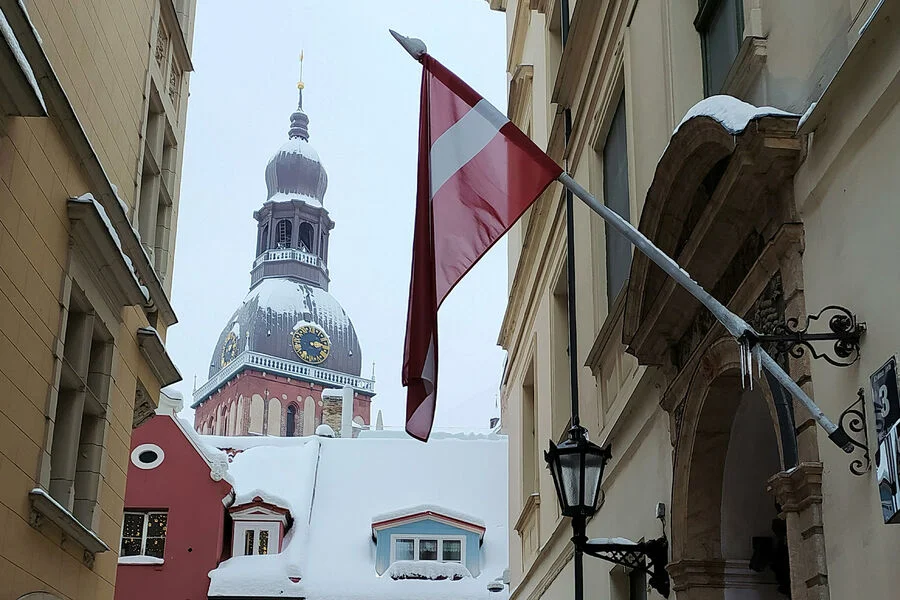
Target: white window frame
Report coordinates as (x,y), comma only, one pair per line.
(440,550)
(240,534)
(145,515)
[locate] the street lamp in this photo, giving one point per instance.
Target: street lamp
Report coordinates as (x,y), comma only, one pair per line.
(577,466)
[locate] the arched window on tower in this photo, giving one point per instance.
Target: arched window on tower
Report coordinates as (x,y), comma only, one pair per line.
(263,243)
(283,234)
(305,237)
(291,425)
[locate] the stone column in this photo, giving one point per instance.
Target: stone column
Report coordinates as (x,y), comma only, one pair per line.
(799,492)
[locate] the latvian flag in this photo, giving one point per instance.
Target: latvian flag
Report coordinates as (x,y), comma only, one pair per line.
(477,174)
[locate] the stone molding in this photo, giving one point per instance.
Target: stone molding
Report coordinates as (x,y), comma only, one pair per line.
(717,574)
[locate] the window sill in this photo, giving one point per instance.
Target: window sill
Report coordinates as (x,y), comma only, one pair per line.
(141,560)
(44,507)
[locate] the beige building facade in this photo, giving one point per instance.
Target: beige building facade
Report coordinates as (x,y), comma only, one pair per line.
(94,98)
(777,216)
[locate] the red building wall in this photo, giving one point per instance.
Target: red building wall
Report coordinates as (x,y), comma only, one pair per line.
(287,390)
(182,485)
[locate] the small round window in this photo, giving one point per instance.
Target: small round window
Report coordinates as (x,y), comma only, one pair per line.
(147,456)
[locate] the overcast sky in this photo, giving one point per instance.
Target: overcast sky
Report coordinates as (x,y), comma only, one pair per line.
(362,93)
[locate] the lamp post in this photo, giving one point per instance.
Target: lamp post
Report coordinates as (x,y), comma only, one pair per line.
(577,466)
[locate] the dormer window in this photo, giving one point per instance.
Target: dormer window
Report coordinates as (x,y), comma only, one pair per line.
(259,527)
(427,542)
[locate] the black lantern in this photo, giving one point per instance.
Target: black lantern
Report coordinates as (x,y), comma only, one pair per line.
(577,467)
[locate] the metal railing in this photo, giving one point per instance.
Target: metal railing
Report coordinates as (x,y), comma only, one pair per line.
(281,366)
(288,254)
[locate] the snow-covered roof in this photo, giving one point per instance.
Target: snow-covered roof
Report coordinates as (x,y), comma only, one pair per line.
(733,114)
(333,487)
(425,510)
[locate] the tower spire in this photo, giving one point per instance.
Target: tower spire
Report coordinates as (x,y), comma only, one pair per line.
(299,121)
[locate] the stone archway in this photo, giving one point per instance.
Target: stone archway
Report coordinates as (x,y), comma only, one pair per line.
(723,518)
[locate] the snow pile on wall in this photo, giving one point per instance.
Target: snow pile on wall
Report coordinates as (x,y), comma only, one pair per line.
(733,114)
(281,475)
(333,487)
(427,569)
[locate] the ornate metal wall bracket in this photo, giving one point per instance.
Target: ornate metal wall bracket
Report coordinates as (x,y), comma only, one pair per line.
(852,432)
(649,557)
(845,332)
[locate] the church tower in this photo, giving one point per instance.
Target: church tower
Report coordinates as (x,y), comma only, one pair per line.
(290,339)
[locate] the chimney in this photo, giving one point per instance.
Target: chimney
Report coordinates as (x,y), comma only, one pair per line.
(170,402)
(347,412)
(332,401)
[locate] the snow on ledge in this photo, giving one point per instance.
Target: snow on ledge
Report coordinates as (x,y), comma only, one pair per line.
(427,569)
(426,508)
(733,114)
(24,65)
(616,540)
(140,560)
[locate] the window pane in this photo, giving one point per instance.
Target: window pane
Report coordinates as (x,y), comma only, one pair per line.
(130,547)
(427,549)
(156,524)
(403,549)
(721,41)
(133,525)
(263,542)
(451,550)
(248,542)
(615,195)
(155,547)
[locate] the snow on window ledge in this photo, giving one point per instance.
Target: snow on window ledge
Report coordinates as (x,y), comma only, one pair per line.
(140,560)
(427,569)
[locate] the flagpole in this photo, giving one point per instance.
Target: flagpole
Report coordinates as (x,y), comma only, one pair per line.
(735,325)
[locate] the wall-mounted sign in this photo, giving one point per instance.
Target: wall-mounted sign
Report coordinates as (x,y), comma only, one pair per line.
(886,393)
(886,397)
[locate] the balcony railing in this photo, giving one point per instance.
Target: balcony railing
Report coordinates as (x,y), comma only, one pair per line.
(288,254)
(280,366)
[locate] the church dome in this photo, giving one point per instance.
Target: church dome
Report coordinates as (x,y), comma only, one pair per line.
(295,169)
(272,315)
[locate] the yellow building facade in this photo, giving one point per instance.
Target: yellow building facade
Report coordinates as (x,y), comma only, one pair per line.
(94,98)
(778,212)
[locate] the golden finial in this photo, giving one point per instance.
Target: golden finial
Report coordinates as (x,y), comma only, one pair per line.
(300,83)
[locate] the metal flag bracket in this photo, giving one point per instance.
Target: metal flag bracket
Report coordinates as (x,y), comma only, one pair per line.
(853,423)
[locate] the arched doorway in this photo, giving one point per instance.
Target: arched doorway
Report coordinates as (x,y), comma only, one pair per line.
(729,539)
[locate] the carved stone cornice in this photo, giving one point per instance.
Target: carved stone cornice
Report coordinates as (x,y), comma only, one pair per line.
(798,488)
(520,96)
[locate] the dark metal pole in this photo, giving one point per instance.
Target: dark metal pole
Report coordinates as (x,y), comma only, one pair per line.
(578,523)
(578,539)
(570,247)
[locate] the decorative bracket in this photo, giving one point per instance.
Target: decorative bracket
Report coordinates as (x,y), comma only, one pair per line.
(649,557)
(853,421)
(845,332)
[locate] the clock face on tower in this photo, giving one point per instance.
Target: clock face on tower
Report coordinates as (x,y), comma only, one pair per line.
(310,343)
(229,348)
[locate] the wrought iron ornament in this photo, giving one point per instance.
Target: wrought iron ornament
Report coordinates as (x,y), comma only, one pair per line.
(845,332)
(852,423)
(649,557)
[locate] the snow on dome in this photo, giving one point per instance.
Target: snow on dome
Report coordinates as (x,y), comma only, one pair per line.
(733,114)
(427,569)
(300,146)
(289,196)
(427,508)
(331,519)
(325,430)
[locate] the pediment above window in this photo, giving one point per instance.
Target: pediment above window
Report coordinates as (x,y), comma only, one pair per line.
(722,178)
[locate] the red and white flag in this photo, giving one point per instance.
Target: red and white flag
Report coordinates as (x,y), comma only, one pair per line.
(477,174)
